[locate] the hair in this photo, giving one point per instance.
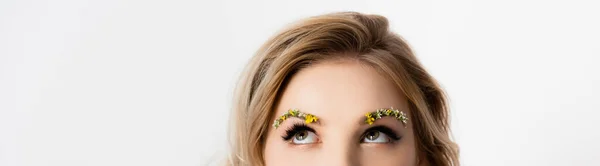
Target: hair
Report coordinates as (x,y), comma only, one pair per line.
(343,35)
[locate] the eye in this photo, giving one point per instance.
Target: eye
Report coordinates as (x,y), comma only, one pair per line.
(305,137)
(380,135)
(375,136)
(300,134)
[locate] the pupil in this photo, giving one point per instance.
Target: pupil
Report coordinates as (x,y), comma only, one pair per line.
(301,135)
(373,135)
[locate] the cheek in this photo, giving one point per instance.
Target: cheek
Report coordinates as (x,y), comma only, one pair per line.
(397,156)
(272,153)
(404,153)
(280,153)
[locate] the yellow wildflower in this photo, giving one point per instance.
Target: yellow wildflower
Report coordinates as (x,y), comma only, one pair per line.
(370,121)
(292,112)
(370,118)
(311,118)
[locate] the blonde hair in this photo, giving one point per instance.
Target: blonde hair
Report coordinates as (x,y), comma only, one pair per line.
(344,35)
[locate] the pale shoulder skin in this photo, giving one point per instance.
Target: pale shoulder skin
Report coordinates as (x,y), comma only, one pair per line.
(340,93)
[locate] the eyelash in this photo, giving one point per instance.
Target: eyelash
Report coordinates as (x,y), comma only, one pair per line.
(299,127)
(385,130)
(295,129)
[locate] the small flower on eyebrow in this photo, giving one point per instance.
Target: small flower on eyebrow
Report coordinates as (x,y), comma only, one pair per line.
(370,119)
(308,118)
(293,112)
(388,112)
(379,113)
(276,123)
(402,117)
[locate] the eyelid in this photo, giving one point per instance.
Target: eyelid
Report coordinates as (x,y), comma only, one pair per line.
(311,138)
(393,135)
(295,128)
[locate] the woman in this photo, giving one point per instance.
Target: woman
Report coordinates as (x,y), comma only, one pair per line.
(339,89)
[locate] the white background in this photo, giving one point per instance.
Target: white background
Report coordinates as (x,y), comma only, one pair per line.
(141,82)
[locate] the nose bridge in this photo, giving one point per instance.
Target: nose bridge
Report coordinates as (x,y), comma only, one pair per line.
(339,149)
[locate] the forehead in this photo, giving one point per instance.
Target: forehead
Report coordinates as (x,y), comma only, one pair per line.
(340,90)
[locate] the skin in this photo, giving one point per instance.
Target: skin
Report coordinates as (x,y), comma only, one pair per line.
(340,93)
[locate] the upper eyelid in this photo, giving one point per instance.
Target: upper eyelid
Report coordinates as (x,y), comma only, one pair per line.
(298,124)
(288,132)
(384,129)
(292,121)
(388,131)
(380,127)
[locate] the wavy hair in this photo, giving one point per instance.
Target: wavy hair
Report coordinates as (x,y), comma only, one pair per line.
(342,35)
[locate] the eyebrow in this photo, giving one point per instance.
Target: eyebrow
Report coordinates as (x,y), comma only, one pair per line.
(370,117)
(295,113)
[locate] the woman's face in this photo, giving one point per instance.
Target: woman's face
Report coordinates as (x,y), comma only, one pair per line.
(340,94)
